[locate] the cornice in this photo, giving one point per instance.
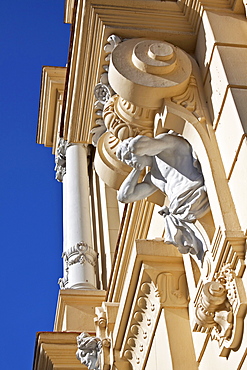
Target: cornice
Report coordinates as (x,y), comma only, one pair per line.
(68,10)
(176,22)
(50,106)
(56,350)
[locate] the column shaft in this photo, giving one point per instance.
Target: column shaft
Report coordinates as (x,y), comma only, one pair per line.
(79,257)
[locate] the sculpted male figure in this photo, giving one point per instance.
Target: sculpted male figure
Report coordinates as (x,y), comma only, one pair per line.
(174,170)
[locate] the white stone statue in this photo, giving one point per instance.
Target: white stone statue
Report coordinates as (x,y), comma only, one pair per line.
(89,349)
(175,170)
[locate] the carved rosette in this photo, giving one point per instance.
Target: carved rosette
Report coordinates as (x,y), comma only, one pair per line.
(221,308)
(80,253)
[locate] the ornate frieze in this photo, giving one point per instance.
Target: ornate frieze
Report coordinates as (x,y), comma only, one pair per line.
(221,308)
(124,119)
(80,253)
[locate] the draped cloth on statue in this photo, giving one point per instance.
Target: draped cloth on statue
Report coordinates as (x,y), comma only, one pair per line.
(179,220)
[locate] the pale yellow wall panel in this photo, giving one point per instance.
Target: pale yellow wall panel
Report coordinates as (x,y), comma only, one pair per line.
(218,28)
(238,185)
(156,229)
(160,356)
(232,126)
(227,67)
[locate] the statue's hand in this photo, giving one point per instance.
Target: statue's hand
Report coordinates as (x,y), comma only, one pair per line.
(139,145)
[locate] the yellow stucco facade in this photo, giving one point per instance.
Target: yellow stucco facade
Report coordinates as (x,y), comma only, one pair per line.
(145,68)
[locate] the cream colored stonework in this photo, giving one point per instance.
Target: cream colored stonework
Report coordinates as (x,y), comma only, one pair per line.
(174,65)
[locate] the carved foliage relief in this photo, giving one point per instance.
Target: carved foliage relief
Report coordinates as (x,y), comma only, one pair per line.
(221,308)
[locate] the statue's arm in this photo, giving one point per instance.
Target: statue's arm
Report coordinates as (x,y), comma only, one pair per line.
(131,190)
(144,145)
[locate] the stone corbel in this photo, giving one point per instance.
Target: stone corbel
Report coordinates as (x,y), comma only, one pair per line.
(142,73)
(221,309)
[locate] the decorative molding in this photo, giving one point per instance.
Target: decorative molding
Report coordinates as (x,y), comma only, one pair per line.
(190,100)
(143,321)
(221,308)
(108,167)
(124,119)
(171,288)
(89,350)
(80,253)
(50,105)
(103,91)
(60,159)
(157,288)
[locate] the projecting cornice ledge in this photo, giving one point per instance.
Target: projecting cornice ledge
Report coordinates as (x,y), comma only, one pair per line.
(50,105)
(56,351)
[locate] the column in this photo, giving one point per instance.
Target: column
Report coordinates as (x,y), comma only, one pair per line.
(79,256)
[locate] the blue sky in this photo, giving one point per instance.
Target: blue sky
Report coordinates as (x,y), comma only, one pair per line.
(32,35)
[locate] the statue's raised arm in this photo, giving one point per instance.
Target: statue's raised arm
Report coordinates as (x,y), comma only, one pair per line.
(175,170)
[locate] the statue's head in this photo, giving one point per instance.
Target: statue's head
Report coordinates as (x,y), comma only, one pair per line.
(131,159)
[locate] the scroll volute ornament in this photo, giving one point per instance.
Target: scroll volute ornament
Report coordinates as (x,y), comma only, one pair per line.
(144,72)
